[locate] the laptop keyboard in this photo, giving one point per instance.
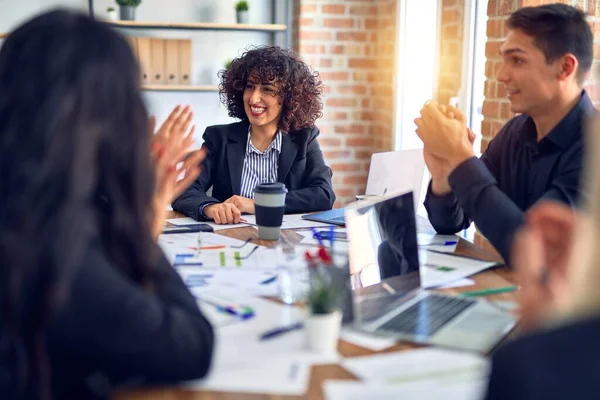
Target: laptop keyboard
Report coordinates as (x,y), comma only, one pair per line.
(427,316)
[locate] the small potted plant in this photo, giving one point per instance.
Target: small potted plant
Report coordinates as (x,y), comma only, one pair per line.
(241,9)
(228,64)
(111,14)
(324,318)
(127,9)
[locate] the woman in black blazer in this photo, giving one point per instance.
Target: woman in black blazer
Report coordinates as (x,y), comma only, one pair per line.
(88,302)
(277,97)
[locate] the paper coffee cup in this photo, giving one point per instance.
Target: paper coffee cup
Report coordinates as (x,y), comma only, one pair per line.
(269,201)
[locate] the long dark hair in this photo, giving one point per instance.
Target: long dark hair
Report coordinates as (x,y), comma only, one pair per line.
(74,170)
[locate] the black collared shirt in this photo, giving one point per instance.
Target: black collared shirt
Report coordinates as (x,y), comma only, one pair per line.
(513,173)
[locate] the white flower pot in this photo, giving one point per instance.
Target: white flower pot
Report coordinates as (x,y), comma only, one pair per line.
(112,15)
(323,332)
(242,17)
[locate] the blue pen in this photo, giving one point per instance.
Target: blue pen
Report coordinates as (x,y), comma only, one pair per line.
(269,280)
(331,235)
(446,243)
(317,236)
(281,330)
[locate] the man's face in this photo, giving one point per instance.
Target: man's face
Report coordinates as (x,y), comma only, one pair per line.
(531,82)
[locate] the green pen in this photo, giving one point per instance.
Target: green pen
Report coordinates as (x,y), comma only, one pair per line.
(489,292)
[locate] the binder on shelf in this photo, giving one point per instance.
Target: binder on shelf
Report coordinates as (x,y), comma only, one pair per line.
(157,62)
(185,62)
(143,50)
(172,61)
(133,43)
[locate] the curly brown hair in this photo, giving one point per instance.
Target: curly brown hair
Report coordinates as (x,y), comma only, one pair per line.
(299,87)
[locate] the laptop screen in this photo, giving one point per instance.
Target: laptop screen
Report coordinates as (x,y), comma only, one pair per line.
(382,249)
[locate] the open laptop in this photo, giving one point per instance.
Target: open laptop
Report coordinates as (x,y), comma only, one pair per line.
(384,179)
(386,285)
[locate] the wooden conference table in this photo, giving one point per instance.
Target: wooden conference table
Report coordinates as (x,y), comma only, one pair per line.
(488,279)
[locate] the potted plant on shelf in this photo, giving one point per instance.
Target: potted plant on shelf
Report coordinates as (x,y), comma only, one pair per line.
(324,317)
(127,9)
(241,9)
(111,14)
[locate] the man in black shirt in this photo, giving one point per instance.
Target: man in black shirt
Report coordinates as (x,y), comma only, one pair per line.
(537,154)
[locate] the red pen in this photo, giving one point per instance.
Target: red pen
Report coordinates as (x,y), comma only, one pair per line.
(310,259)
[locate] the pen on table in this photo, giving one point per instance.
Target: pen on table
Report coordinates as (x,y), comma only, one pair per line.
(445,243)
(243,312)
(317,236)
(489,292)
(281,330)
(269,280)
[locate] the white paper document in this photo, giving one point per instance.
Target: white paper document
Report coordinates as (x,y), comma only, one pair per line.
(290,221)
(352,390)
(371,342)
(431,367)
(243,363)
(443,243)
(442,269)
(216,227)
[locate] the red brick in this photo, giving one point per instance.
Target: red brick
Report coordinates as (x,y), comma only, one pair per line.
(359,142)
(333,9)
(362,155)
(306,34)
(325,62)
(308,8)
(340,102)
(362,10)
(329,141)
(345,167)
(492,8)
(337,49)
(371,23)
(334,76)
(361,63)
(351,89)
(346,192)
(350,129)
(355,179)
(491,109)
(351,36)
(338,23)
(337,154)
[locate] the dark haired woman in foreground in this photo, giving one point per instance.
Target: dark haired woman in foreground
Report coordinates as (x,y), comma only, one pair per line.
(277,97)
(88,302)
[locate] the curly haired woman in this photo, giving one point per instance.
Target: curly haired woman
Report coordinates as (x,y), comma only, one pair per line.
(277,97)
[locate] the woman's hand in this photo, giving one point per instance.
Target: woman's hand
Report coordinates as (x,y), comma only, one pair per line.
(172,159)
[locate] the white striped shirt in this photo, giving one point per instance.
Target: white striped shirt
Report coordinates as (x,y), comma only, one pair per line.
(259,166)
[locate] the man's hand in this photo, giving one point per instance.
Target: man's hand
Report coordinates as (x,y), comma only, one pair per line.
(243,204)
(443,136)
(540,255)
(438,167)
(223,213)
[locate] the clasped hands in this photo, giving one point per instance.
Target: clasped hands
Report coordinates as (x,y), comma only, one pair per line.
(230,211)
(447,142)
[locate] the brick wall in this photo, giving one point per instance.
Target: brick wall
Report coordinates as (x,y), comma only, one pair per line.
(352,44)
(451,43)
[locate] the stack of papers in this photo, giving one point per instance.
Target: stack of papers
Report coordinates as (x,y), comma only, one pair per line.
(216,227)
(444,269)
(243,363)
(416,374)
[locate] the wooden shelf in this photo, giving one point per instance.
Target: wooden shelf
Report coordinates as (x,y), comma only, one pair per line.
(181,88)
(208,26)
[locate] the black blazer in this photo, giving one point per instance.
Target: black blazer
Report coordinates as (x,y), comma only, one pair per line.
(301,168)
(110,332)
(563,363)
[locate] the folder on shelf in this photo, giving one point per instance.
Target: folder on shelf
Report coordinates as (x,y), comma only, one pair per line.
(143,50)
(172,61)
(157,62)
(185,62)
(133,43)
